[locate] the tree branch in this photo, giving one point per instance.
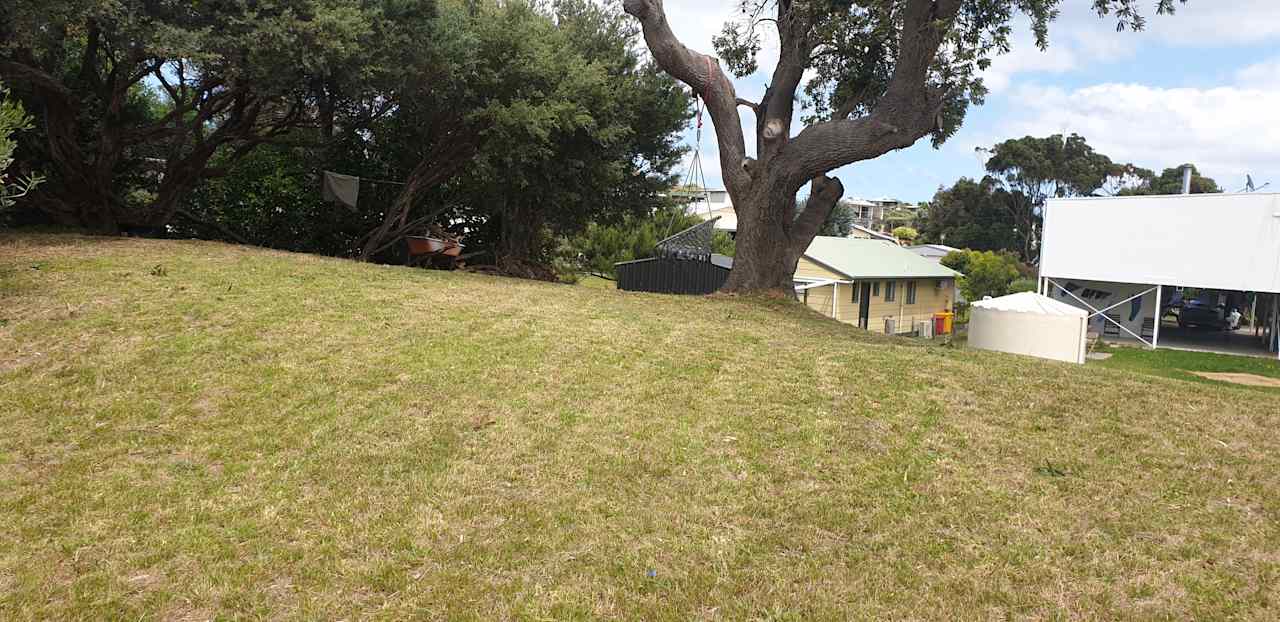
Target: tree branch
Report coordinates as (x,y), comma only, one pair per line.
(824,193)
(906,112)
(703,74)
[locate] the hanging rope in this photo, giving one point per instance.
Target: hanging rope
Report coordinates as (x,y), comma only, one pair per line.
(696,176)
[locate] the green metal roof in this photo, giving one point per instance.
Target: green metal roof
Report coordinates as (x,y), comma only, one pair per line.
(873,259)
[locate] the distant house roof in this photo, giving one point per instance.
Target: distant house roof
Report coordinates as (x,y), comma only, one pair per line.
(873,259)
(728,221)
(876,234)
(932,249)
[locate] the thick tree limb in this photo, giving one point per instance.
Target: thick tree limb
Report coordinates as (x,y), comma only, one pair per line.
(703,74)
(17,72)
(824,193)
(778,105)
(907,111)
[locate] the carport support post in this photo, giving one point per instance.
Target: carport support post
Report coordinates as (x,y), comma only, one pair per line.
(1155,333)
(1275,324)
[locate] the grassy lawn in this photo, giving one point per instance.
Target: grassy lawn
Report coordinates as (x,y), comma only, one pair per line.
(1180,364)
(193,430)
(591,280)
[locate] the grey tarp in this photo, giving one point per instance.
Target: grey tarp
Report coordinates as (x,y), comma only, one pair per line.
(344,189)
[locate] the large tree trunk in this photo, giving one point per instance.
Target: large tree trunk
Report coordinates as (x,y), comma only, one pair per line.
(772,235)
(520,237)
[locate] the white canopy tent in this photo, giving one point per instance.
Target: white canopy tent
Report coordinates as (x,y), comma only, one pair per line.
(1112,256)
(1031,324)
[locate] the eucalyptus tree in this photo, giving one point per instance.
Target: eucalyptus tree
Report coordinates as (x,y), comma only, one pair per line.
(1169,181)
(877,75)
(1036,169)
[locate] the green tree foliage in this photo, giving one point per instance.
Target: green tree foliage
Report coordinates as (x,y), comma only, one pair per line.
(1034,170)
(231,76)
(1170,182)
(839,222)
(1022,284)
(599,247)
(514,126)
(13,186)
(905,234)
(986,273)
(1004,210)
(602,145)
(971,214)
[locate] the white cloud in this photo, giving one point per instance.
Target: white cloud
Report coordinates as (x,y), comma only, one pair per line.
(1263,74)
(1080,39)
(1227,131)
(1201,23)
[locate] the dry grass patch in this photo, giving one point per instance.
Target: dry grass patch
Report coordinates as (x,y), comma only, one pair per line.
(257,434)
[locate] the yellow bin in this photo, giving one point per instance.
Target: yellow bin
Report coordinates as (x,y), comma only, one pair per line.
(942,322)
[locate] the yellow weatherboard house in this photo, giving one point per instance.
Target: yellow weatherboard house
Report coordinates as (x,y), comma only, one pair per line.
(874,284)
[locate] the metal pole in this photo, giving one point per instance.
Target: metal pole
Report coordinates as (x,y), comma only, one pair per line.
(1275,324)
(1253,315)
(835,295)
(1155,336)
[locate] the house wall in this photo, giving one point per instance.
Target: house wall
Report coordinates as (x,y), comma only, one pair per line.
(929,300)
(810,270)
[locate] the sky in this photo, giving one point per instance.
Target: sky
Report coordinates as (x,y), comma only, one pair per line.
(1200,86)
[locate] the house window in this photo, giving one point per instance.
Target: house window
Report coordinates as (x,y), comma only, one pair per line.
(890,290)
(855,289)
(875,289)
(911,292)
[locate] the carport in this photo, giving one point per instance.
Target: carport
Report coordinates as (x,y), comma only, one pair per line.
(1132,263)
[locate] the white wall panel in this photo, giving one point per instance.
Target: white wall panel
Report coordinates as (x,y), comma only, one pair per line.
(1217,241)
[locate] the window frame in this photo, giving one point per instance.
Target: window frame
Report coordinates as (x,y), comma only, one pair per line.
(890,291)
(911,292)
(875,289)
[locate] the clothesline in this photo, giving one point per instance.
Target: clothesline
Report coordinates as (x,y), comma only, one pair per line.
(381,181)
